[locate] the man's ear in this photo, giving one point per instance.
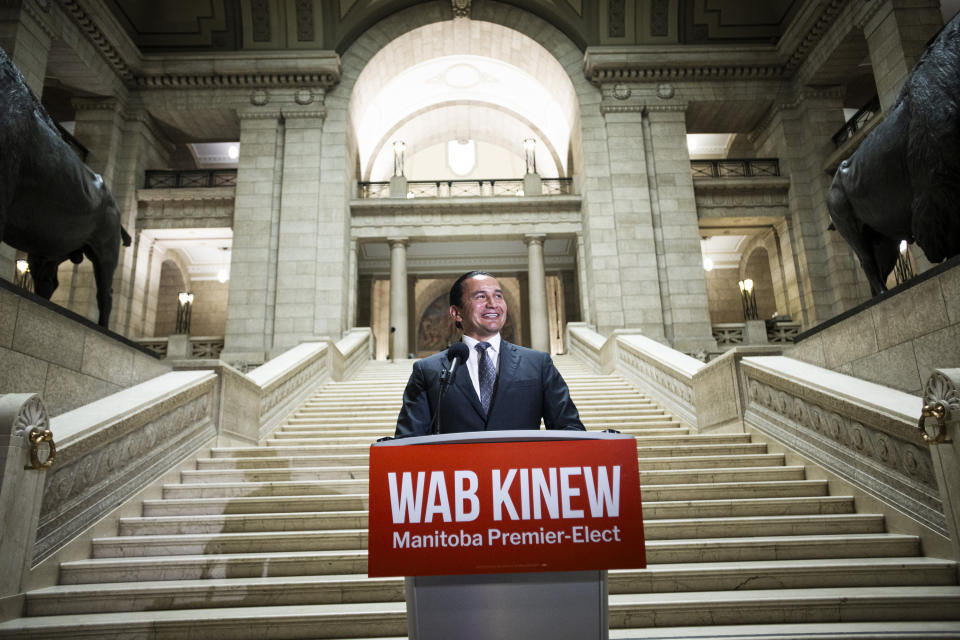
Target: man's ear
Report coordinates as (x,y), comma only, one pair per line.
(455,313)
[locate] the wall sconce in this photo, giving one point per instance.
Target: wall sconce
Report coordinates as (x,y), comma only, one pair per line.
(748,299)
(398,148)
(529,154)
(23,279)
(185,302)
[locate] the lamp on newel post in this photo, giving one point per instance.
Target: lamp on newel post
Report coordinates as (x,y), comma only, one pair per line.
(747,299)
(23,279)
(185,303)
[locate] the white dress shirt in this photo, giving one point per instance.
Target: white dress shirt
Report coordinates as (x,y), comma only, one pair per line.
(473,361)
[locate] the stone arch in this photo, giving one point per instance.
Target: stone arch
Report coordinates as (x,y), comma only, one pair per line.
(498,23)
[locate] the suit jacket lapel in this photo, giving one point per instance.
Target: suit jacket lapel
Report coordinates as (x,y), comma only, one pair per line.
(506,371)
(464,385)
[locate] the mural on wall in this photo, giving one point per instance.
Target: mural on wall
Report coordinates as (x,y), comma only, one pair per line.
(436,330)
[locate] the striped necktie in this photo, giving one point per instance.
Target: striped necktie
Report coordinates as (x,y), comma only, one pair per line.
(487,373)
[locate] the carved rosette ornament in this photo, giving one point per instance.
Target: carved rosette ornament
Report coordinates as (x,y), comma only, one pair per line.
(303,97)
(259,97)
(621,91)
(461,8)
(941,405)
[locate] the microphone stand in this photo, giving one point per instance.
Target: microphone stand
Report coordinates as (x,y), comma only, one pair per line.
(444,381)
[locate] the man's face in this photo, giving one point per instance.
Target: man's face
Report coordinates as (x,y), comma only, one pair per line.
(484,310)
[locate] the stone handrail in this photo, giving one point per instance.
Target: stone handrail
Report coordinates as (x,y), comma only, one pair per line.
(109,450)
(860,434)
(665,373)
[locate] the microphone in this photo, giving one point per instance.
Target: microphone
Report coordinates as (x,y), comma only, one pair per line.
(457,354)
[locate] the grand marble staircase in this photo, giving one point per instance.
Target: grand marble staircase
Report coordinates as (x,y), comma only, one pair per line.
(269,542)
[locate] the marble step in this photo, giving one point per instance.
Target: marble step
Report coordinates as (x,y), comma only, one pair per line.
(240,489)
(734,490)
(703,476)
(694,449)
(255,504)
(283,462)
(747,507)
(666,442)
(861,603)
(888,630)
(751,489)
(228,543)
(311,622)
(290,462)
(201,532)
(305,590)
(647,477)
(270,475)
(327,562)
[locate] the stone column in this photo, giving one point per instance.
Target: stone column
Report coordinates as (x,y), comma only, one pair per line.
(618,227)
(399,306)
(539,323)
(829,279)
(26,38)
(253,259)
(897,32)
(299,243)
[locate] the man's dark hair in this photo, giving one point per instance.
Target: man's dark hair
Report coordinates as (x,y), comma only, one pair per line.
(456,291)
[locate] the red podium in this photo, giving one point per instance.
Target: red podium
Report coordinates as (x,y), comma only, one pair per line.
(507,534)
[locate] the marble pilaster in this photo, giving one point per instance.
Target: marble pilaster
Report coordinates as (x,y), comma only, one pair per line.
(537,289)
(399,304)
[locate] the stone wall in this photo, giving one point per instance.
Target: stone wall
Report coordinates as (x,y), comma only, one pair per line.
(66,358)
(896,339)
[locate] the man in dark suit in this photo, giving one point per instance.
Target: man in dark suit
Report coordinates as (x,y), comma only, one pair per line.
(504,386)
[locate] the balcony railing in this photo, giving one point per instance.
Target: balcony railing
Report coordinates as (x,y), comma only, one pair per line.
(201,347)
(730,334)
(857,122)
(191,179)
(464,188)
(736,168)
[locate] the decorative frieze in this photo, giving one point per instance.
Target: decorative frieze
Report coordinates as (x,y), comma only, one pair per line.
(865,448)
(95,473)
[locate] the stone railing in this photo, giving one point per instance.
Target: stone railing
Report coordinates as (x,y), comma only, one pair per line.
(731,334)
(665,373)
(190,179)
(467,188)
(110,449)
(859,434)
(862,432)
(202,347)
(736,168)
(106,452)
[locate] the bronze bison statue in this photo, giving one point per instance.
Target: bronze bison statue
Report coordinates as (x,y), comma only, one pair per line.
(903,182)
(52,206)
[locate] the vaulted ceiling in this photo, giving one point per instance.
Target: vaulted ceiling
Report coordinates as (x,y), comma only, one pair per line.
(230,25)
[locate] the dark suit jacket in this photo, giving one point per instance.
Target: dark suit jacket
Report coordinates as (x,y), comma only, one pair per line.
(528,388)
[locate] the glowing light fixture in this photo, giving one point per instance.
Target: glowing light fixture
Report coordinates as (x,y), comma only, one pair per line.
(223,275)
(233,151)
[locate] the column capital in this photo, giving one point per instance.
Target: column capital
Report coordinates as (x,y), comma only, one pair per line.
(534,238)
(399,241)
